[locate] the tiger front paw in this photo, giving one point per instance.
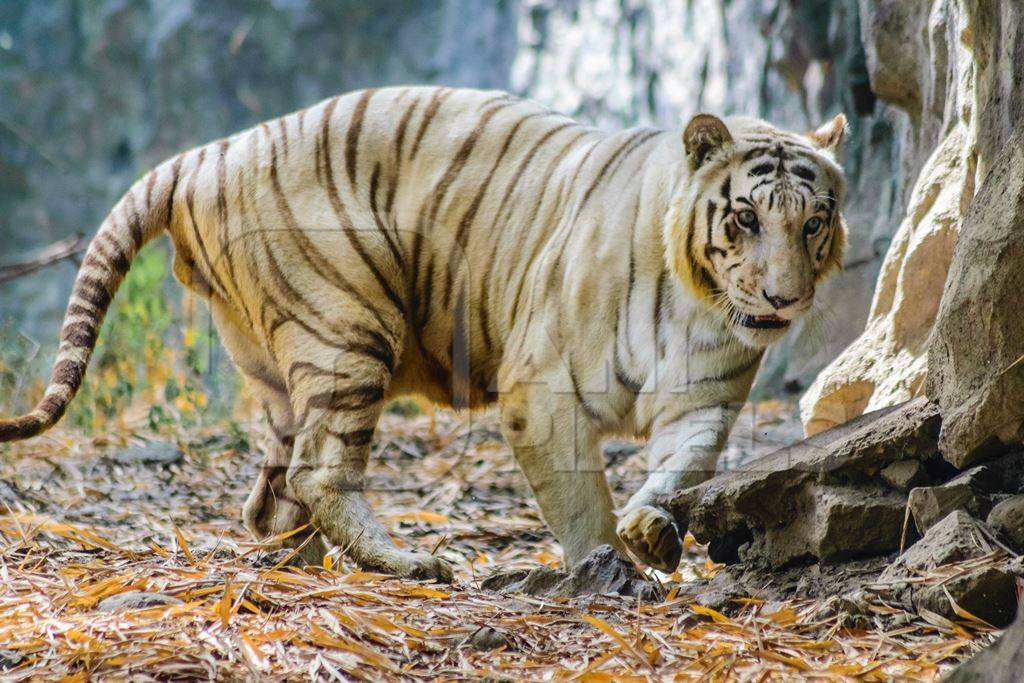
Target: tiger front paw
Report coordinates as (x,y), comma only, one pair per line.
(650,534)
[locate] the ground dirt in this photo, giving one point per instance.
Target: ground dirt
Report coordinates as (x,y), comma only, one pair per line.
(83,520)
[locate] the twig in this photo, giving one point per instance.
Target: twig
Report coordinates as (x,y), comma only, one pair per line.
(54,253)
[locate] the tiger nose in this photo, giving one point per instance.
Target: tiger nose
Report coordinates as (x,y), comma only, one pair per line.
(778,302)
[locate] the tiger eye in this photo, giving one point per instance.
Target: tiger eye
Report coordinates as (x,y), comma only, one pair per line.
(748,220)
(812,226)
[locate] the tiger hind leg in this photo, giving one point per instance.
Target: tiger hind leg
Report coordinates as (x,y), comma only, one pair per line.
(338,395)
(272,508)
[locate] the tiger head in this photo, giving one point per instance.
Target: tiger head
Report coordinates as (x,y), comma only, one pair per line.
(757,224)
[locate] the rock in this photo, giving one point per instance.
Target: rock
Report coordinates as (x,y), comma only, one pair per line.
(153,453)
(617,452)
(884,365)
(851,610)
(720,593)
(988,593)
(905,475)
(132,600)
(847,523)
(816,500)
(944,64)
(968,491)
(537,581)
(893,52)
(1007,520)
(1001,662)
(978,385)
(486,638)
(955,538)
(603,572)
(815,581)
(1006,473)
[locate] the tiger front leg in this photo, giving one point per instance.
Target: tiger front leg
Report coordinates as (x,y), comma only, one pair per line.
(680,454)
(556,446)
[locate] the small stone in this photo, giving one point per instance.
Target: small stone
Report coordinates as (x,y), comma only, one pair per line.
(153,453)
(487,638)
(602,572)
(987,593)
(537,581)
(1007,519)
(904,475)
(967,491)
(132,600)
(605,572)
(720,594)
(399,448)
(953,539)
(617,452)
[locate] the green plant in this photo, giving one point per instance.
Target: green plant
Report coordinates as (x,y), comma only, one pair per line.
(154,359)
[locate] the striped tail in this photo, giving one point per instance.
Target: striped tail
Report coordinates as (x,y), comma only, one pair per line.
(141,215)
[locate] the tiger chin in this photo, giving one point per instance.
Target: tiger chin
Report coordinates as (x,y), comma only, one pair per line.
(477,248)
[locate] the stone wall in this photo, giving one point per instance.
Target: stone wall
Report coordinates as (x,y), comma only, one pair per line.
(948,67)
(92,94)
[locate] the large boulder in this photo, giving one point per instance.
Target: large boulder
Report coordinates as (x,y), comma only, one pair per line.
(1002,662)
(953,68)
(978,386)
(819,500)
(920,61)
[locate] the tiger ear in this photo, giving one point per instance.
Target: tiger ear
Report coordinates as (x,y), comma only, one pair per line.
(830,136)
(704,135)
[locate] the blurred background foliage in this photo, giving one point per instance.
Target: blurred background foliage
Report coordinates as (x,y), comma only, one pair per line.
(95,92)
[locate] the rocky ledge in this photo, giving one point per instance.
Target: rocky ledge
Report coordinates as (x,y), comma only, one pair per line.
(870,507)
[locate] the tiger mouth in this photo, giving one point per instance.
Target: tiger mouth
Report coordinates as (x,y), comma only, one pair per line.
(763,322)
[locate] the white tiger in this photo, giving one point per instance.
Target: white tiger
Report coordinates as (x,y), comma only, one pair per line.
(475,247)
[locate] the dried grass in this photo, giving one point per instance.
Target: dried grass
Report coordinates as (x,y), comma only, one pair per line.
(77,528)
